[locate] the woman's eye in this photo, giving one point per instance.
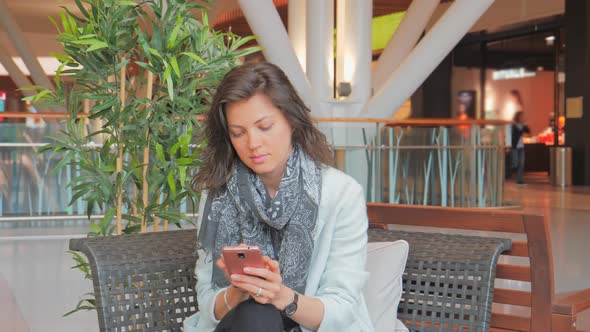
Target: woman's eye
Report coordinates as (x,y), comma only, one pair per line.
(265,128)
(235,135)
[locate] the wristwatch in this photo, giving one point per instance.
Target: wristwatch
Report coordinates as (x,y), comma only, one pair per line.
(291,308)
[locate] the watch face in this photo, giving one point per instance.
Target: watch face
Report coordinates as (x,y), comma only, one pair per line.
(290,309)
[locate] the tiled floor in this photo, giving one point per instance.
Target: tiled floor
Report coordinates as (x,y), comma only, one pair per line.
(37,285)
(41,286)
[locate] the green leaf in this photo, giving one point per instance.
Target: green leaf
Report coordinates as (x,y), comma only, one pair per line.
(182,175)
(174,65)
(184,161)
(97,46)
(103,106)
(64,22)
(90,305)
(235,45)
(40,95)
(196,57)
(131,229)
(173,36)
(82,9)
(61,57)
(58,74)
(94,227)
(52,20)
(171,183)
(175,148)
(160,153)
(155,52)
(170,85)
(124,3)
(131,218)
(107,219)
(88,41)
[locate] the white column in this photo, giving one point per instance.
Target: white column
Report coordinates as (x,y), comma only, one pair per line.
(320,48)
(403,41)
(265,22)
(297,29)
(353,44)
(20,43)
(429,53)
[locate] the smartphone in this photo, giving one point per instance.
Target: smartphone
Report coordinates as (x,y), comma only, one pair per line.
(237,258)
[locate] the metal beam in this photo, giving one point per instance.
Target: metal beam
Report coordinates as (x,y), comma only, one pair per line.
(14,72)
(424,58)
(17,75)
(404,39)
(297,29)
(23,48)
(265,22)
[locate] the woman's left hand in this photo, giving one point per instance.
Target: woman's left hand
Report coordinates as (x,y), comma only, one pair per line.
(265,282)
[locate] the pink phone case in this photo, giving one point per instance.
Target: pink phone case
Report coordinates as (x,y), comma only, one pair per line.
(237,258)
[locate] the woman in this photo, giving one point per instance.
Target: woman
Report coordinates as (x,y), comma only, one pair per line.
(266,181)
(519,129)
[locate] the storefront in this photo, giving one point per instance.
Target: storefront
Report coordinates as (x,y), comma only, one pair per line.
(497,74)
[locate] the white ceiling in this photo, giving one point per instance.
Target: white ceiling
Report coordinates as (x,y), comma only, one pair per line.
(32,18)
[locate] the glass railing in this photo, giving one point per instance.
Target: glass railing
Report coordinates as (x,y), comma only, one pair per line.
(423,161)
(30,190)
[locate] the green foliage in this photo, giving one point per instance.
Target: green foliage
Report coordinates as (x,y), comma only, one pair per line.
(187,60)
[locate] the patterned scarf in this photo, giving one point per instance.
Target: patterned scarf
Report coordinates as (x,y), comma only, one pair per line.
(283,227)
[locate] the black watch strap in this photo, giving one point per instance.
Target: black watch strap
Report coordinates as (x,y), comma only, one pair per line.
(291,308)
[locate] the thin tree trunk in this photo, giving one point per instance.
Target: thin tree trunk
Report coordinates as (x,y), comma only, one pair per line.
(122,95)
(146,159)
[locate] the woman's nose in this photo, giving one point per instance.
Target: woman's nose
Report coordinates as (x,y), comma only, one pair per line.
(254,141)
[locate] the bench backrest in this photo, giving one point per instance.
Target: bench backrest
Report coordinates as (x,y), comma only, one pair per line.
(537,247)
(142,281)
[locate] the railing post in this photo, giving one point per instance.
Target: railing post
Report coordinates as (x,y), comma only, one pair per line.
(377,166)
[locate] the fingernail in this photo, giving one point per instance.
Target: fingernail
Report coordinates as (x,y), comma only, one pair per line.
(235,276)
(247,270)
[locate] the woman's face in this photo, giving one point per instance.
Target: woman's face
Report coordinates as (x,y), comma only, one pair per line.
(261,135)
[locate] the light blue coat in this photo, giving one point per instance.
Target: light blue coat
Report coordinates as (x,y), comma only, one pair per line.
(337,272)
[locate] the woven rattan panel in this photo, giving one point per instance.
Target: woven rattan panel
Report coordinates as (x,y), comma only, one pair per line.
(448,280)
(142,282)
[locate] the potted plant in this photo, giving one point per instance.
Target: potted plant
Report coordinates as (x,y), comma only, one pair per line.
(134,78)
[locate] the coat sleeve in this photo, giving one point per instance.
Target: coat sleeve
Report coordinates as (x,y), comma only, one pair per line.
(206,294)
(344,277)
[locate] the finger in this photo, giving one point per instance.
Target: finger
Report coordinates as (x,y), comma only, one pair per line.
(266,295)
(221,265)
(274,267)
(266,274)
(255,283)
(266,261)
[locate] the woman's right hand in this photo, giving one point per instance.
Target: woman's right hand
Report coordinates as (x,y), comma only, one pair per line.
(234,294)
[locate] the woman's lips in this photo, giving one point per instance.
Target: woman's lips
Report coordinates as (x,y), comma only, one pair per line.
(260,158)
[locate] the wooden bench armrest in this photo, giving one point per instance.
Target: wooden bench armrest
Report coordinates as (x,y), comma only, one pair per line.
(572,303)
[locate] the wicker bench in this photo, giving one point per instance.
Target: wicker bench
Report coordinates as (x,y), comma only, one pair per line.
(145,281)
(548,312)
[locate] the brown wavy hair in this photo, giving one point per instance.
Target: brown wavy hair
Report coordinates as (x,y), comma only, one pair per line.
(242,83)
